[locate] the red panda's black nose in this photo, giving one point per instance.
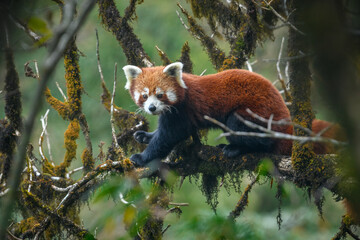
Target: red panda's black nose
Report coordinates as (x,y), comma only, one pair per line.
(152,108)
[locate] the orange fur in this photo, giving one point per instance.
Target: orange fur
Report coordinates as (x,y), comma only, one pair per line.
(229,91)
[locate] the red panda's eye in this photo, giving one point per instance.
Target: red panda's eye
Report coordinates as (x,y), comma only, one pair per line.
(159,95)
(145,96)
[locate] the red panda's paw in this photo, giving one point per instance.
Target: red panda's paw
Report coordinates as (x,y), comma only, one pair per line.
(221,145)
(137,160)
(142,137)
(231,151)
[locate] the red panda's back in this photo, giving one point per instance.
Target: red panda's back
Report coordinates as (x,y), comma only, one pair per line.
(235,90)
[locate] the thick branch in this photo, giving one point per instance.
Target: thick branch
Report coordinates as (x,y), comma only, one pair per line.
(123,32)
(61,40)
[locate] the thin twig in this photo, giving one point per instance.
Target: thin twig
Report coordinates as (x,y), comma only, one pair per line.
(203,72)
(302,55)
(268,133)
(179,204)
(281,122)
(243,202)
(249,66)
(281,17)
(61,91)
(43,120)
(167,227)
(98,57)
(279,58)
(280,78)
(112,120)
(25,28)
(4,192)
(68,174)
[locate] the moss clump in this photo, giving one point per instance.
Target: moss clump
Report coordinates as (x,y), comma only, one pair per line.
(73,79)
(11,126)
(87,160)
(61,107)
(70,137)
(12,93)
(185,58)
(158,200)
(210,189)
(112,21)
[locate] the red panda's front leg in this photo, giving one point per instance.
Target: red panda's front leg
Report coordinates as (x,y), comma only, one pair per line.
(143,137)
(173,127)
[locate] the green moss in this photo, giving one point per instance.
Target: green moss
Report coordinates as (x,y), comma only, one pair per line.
(185,58)
(25,225)
(70,137)
(210,189)
(12,93)
(112,21)
(73,79)
(87,160)
(163,56)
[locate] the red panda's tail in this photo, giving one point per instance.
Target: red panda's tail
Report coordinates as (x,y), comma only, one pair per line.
(333,131)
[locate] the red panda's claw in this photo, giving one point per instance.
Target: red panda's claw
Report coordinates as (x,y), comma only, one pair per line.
(231,151)
(142,137)
(137,160)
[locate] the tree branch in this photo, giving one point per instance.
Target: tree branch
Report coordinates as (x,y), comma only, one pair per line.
(60,39)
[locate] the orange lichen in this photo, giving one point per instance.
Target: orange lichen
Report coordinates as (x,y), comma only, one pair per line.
(87,160)
(70,136)
(61,107)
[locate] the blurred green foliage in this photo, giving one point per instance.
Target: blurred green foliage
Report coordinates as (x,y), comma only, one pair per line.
(158,25)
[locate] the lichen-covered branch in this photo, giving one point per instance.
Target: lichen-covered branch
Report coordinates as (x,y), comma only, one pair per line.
(60,41)
(10,127)
(110,17)
(216,56)
(243,202)
(127,122)
(301,109)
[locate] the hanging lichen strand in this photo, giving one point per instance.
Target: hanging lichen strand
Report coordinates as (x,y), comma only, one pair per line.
(113,22)
(10,127)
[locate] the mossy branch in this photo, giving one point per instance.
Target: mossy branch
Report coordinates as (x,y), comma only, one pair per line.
(216,56)
(131,45)
(11,126)
(67,223)
(70,27)
(243,202)
(127,122)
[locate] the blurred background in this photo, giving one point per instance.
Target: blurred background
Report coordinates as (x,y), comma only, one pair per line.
(158,25)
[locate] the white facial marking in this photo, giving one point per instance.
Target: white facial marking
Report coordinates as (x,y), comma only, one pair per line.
(136,96)
(159,91)
(171,95)
(146,90)
(160,106)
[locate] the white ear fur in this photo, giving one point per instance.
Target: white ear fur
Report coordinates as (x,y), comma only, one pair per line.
(175,70)
(131,72)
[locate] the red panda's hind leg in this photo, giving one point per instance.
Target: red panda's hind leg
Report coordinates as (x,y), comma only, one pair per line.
(244,144)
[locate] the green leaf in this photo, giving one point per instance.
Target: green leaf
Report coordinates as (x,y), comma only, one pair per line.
(265,167)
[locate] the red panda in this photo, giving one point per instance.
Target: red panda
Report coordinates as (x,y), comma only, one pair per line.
(181,100)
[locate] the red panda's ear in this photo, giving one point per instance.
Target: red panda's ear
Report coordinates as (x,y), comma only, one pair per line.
(131,72)
(175,70)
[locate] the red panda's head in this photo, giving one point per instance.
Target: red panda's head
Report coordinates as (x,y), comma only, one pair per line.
(155,89)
